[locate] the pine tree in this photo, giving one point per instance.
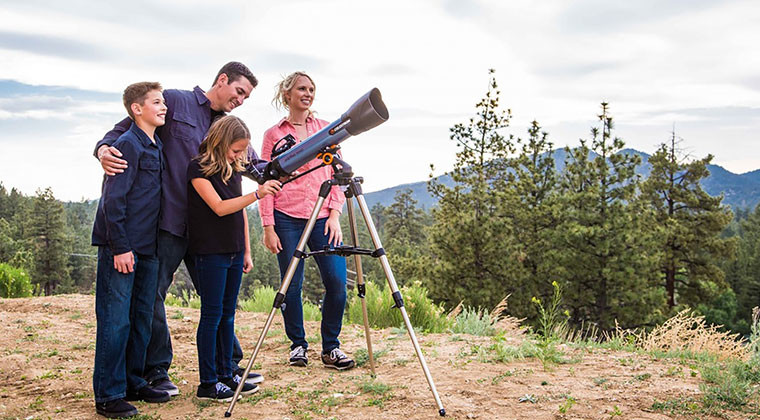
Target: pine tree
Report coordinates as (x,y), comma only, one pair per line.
(607,246)
(743,271)
(533,213)
(405,239)
(52,244)
(470,242)
(692,222)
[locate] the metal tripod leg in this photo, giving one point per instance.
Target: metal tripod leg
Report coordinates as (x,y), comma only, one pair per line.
(396,294)
(360,286)
(280,296)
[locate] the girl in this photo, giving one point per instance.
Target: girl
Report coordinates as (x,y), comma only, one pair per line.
(218,229)
(284,218)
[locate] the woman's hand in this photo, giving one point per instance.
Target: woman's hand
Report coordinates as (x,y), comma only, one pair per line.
(271,240)
(247,262)
(270,187)
(332,228)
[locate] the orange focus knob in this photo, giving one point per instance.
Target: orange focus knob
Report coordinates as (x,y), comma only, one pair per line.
(327,158)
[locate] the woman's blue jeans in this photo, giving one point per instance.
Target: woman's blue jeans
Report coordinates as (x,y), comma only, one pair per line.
(332,269)
(219,277)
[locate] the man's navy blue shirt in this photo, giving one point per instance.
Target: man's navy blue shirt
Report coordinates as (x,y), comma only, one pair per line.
(129,207)
(188,119)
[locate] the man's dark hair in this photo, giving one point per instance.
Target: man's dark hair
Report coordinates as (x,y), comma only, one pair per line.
(136,94)
(235,70)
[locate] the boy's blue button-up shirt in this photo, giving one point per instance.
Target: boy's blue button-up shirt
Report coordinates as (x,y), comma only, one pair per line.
(129,208)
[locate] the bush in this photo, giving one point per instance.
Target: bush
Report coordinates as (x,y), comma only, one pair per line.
(262,299)
(14,282)
(473,321)
(423,313)
(186,300)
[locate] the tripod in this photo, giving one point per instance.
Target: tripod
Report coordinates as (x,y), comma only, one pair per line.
(343,177)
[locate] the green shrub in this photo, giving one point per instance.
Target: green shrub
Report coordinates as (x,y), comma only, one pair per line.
(14,282)
(423,313)
(473,321)
(188,299)
(262,299)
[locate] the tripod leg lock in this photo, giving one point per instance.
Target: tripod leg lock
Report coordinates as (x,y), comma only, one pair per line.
(378,253)
(300,254)
(398,300)
(361,290)
(279,301)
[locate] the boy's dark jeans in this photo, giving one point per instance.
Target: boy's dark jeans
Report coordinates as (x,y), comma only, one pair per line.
(332,269)
(172,250)
(124,310)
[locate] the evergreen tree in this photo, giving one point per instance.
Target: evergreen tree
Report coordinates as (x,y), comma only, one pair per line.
(533,213)
(52,245)
(609,252)
(83,258)
(743,272)
(405,239)
(470,242)
(692,222)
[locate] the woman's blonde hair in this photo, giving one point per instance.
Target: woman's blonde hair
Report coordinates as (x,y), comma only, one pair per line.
(284,87)
(212,152)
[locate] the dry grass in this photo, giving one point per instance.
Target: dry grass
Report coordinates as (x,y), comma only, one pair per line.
(688,332)
(505,322)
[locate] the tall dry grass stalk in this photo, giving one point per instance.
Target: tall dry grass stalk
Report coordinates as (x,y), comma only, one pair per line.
(505,322)
(688,332)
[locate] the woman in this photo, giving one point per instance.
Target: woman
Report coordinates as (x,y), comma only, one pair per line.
(284,218)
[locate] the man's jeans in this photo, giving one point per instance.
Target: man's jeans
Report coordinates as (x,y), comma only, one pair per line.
(332,269)
(124,309)
(172,250)
(219,278)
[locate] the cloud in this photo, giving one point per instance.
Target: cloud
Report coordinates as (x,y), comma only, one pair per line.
(52,46)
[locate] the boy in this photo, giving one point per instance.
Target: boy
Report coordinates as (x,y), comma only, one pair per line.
(125,231)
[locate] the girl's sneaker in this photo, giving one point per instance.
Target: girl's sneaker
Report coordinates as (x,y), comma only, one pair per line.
(233,383)
(216,392)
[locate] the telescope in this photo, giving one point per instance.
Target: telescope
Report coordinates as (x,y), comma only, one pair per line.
(366,113)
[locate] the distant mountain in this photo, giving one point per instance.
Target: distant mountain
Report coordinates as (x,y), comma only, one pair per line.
(739,190)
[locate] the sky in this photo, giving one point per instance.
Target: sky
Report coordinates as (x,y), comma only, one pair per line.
(690,65)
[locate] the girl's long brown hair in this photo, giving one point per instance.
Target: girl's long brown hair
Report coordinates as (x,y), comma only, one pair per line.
(213,150)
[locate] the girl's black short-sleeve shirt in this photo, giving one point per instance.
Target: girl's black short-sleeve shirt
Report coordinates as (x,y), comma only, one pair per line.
(209,233)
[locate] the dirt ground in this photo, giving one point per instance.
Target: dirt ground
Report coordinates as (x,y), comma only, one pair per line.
(47,352)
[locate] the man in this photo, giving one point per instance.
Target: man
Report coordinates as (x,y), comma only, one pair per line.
(189,116)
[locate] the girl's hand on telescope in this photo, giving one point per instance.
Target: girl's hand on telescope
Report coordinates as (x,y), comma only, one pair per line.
(270,187)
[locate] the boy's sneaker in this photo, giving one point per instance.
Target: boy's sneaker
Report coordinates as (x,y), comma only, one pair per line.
(116,409)
(253,377)
(233,383)
(165,385)
(298,356)
(336,359)
(148,394)
(216,392)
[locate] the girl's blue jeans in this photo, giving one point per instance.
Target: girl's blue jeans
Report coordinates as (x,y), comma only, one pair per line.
(219,277)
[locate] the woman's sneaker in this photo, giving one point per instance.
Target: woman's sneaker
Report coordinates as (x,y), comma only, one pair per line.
(233,383)
(298,356)
(336,359)
(216,392)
